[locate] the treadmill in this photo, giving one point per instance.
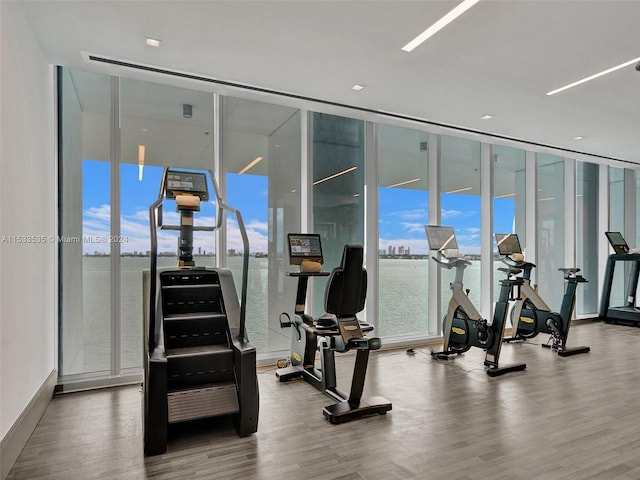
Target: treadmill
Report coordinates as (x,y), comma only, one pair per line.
(629,313)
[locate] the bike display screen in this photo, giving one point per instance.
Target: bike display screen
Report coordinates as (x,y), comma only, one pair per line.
(304,246)
(508,243)
(441,238)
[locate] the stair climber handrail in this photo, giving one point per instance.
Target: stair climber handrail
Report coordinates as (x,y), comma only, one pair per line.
(245,254)
(153,218)
(155,221)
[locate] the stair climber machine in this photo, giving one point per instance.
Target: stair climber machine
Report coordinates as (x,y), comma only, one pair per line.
(198,361)
(463,327)
(530,315)
(339,330)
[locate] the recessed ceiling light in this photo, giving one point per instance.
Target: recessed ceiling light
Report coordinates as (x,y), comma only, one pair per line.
(357,87)
(578,138)
(440,24)
(152,42)
(592,77)
(486,117)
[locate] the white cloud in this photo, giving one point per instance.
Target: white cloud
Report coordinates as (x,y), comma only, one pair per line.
(414,227)
(103,212)
(454,214)
(413,214)
(257,225)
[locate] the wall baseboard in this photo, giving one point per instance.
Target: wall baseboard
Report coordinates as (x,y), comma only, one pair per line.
(17,436)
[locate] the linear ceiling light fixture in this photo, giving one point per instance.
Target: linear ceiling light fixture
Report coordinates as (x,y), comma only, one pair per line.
(403,183)
(440,24)
(141,149)
(251,164)
(592,77)
(351,169)
(466,189)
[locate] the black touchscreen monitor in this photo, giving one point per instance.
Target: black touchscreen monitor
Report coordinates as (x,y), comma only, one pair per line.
(508,243)
(618,242)
(441,238)
(193,183)
(304,246)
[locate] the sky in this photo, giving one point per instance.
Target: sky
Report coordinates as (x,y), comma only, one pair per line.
(402,213)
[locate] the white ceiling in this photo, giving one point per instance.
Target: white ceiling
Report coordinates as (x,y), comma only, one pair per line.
(499,58)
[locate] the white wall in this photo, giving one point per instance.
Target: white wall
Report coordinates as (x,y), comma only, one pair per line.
(28,205)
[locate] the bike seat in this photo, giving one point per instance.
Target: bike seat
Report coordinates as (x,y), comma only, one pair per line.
(510,271)
(568,271)
(326,322)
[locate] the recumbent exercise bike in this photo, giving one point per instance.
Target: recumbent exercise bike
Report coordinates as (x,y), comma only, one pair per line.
(339,330)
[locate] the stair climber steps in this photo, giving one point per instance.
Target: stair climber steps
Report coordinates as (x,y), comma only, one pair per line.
(203,401)
(181,300)
(198,365)
(195,330)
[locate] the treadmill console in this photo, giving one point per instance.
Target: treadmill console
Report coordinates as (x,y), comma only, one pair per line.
(617,242)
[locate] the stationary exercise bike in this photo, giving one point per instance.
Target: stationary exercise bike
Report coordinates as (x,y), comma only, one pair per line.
(463,326)
(530,314)
(339,330)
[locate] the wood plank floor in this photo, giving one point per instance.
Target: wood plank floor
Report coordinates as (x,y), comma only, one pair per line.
(562,418)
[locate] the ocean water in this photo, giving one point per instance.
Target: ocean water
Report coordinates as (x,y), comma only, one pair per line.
(403,304)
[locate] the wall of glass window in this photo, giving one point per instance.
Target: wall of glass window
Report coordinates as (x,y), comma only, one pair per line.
(550,229)
(617,206)
(299,169)
(403,253)
(587,235)
(509,201)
